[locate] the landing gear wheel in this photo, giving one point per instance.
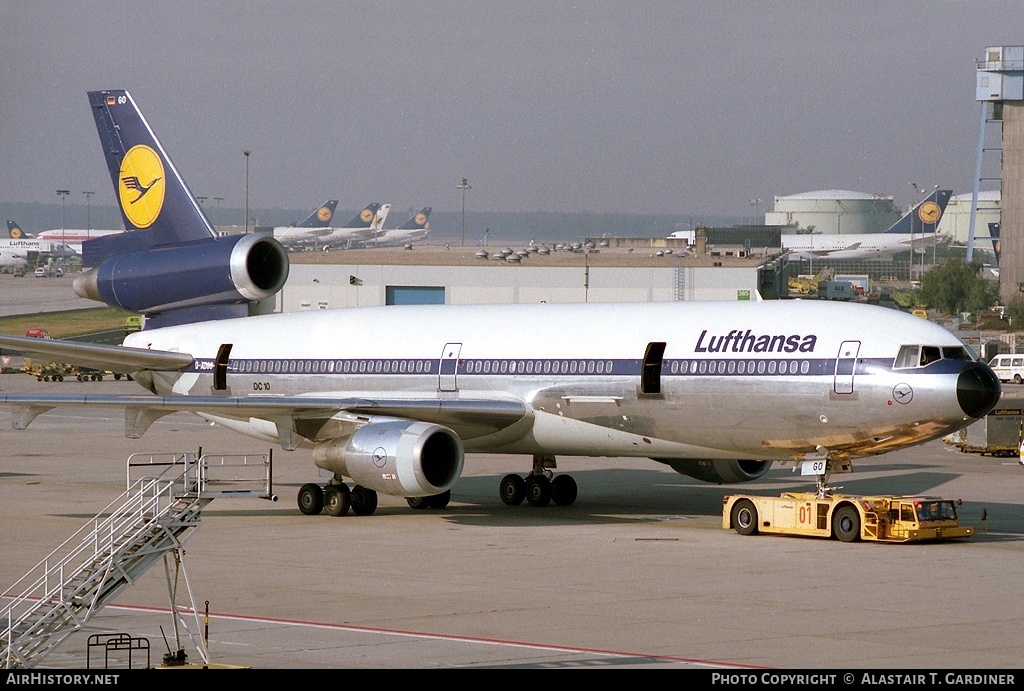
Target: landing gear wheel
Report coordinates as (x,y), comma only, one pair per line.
(311,499)
(363,500)
(439,501)
(846,524)
(512,489)
(744,517)
(563,490)
(337,499)
(538,490)
(434,501)
(418,502)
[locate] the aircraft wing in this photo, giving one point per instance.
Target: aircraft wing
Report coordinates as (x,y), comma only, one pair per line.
(96,356)
(467,417)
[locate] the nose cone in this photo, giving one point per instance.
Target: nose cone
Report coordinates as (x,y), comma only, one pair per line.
(977,389)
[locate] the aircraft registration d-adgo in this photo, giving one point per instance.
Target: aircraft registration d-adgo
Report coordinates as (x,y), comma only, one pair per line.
(390,399)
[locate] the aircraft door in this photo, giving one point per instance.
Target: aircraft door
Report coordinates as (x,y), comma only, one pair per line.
(449,367)
(846,365)
(220,367)
(650,375)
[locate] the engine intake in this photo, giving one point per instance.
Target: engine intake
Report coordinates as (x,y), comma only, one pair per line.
(217,271)
(717,470)
(397,457)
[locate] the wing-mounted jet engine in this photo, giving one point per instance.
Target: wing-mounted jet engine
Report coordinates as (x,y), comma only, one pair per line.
(404,458)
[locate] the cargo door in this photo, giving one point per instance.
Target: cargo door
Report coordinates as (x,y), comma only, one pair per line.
(449,367)
(846,366)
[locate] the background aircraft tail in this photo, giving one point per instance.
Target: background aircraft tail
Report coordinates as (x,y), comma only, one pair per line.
(15,232)
(170,266)
(379,218)
(363,219)
(321,217)
(418,221)
(925,217)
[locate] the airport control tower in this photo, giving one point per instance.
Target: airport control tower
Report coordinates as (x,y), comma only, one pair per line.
(1000,88)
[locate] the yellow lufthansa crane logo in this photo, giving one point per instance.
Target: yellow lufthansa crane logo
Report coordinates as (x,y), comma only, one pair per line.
(366,216)
(141,186)
(16,233)
(324,214)
(421,219)
(929,213)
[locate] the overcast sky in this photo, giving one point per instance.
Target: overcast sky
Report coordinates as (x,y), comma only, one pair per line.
(664,106)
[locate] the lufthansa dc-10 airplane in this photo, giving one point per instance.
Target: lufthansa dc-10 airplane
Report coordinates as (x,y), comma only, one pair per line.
(717,391)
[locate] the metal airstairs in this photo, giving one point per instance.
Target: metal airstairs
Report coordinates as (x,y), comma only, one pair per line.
(149,522)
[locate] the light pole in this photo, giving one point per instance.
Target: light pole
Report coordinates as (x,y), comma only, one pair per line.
(913,203)
(246,152)
(63,195)
(755,203)
(464,186)
(88,214)
(218,200)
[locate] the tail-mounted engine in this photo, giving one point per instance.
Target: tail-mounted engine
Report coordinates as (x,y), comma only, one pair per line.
(717,470)
(397,457)
(232,270)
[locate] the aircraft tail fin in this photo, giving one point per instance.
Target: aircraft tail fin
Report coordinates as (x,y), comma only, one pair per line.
(418,221)
(321,217)
(151,194)
(380,217)
(993,231)
(171,266)
(364,219)
(923,218)
(15,232)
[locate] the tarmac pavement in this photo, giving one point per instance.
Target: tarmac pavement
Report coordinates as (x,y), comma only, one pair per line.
(638,573)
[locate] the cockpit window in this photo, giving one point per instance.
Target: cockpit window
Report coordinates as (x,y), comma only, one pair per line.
(907,357)
(921,355)
(930,354)
(955,353)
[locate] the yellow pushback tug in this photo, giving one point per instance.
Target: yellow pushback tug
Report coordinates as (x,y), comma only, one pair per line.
(845,517)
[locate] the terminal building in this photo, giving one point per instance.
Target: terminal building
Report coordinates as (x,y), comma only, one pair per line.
(468,275)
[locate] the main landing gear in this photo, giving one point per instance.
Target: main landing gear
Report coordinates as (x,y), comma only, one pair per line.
(336,499)
(540,487)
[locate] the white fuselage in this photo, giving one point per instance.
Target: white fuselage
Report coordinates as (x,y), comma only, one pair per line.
(859,246)
(760,380)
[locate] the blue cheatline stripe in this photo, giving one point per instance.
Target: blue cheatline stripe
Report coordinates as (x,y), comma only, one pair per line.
(675,368)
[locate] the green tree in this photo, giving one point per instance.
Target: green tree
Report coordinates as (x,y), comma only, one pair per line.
(1015,311)
(956,286)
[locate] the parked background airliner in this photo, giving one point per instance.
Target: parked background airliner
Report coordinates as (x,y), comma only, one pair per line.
(914,231)
(413,230)
(390,399)
(309,229)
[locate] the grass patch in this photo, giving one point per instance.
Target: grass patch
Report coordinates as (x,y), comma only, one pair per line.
(66,324)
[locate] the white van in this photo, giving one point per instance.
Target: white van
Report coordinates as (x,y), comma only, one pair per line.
(1008,367)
